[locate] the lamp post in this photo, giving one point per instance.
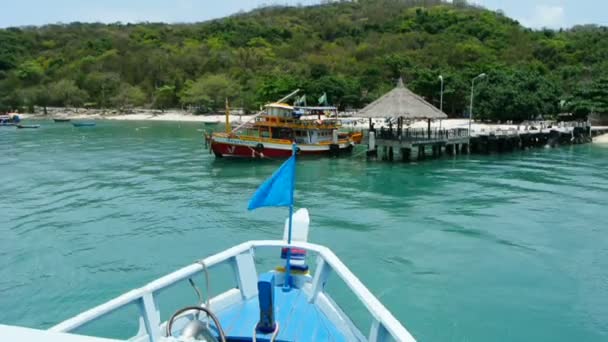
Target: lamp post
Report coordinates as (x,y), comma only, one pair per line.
(441,94)
(472,95)
(441,99)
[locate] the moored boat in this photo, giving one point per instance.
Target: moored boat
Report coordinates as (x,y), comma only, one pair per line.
(28,126)
(84,124)
(10,119)
(275,129)
(62,119)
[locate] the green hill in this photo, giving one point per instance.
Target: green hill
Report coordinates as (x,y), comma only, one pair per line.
(352,51)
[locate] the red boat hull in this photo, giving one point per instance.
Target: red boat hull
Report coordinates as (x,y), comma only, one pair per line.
(221,149)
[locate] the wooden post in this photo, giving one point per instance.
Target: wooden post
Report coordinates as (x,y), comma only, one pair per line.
(406,154)
(399,126)
(228,127)
(449,149)
(421,155)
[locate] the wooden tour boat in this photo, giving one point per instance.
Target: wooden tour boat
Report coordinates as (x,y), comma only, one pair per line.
(271,133)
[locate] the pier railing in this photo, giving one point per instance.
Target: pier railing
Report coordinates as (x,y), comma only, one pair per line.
(421,134)
(384,326)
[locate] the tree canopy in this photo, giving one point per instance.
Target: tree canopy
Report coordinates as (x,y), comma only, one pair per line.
(353,51)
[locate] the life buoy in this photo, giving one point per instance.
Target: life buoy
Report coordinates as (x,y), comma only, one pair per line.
(259,147)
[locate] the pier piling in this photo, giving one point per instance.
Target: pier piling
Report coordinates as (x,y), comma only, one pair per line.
(406,154)
(458,141)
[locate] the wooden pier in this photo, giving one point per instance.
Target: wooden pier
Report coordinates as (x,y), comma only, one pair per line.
(404,144)
(512,140)
(400,109)
(420,144)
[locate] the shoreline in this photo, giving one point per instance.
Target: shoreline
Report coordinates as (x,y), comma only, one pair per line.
(601,139)
(351,123)
(140,115)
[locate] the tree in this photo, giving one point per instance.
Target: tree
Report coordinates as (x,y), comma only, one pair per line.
(353,50)
(209,91)
(66,93)
(516,95)
(164,97)
(590,99)
(103,86)
(127,97)
(43,97)
(34,96)
(30,72)
(341,91)
(27,97)
(275,86)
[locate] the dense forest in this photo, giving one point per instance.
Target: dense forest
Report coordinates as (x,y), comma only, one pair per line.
(353,51)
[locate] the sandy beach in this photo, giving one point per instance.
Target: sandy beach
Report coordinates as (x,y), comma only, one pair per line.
(348,123)
(136,115)
(144,115)
(602,139)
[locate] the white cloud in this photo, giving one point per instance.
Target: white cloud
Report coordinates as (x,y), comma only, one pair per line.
(546,16)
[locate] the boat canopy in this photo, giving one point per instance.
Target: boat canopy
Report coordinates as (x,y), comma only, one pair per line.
(279,105)
(279,110)
(320,108)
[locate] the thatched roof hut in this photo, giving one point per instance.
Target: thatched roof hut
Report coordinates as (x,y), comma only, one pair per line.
(401,102)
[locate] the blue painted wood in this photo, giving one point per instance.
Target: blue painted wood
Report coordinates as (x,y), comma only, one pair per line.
(298,319)
(266,290)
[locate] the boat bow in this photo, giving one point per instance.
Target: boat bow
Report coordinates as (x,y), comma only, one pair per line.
(384,326)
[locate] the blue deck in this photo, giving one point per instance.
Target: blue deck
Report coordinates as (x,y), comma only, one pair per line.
(298,320)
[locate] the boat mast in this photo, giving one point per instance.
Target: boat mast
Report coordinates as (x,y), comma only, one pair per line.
(228,128)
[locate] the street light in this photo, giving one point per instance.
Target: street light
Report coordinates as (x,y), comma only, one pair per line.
(441,96)
(441,99)
(472,95)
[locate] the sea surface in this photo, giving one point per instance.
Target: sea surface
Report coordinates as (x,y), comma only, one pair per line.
(473,248)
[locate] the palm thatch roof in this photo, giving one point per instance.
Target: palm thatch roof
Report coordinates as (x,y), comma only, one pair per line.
(401,102)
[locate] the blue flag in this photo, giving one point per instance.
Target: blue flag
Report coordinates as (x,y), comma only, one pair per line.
(277,191)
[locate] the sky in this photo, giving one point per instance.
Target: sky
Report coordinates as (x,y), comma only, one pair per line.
(531,13)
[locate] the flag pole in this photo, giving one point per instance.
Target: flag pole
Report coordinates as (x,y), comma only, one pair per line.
(287,284)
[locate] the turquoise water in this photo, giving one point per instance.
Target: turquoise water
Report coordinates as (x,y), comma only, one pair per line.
(498,248)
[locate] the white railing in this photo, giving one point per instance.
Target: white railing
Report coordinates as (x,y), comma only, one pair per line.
(384,327)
